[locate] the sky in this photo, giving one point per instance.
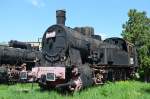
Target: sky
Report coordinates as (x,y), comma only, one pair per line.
(27,20)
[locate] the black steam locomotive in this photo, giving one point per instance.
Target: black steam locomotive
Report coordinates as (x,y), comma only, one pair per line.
(16,60)
(76,58)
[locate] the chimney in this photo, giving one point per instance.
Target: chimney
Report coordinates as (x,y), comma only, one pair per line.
(60,17)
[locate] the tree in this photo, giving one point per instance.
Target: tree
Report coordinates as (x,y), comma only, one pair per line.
(137,31)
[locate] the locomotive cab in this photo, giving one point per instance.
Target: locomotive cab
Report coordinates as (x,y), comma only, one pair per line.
(127,53)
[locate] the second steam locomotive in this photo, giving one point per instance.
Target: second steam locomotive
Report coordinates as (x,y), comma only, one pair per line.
(74,58)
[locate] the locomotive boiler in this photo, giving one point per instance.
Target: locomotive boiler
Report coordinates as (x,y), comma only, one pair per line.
(18,44)
(76,58)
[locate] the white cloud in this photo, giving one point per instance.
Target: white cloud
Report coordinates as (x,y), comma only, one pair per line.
(37,3)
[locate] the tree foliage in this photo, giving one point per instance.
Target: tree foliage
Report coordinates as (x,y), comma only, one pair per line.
(137,31)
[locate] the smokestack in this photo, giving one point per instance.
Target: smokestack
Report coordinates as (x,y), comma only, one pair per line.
(60,17)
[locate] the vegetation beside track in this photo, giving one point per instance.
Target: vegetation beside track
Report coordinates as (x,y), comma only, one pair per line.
(117,90)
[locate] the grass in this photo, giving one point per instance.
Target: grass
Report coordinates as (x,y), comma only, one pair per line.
(118,90)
